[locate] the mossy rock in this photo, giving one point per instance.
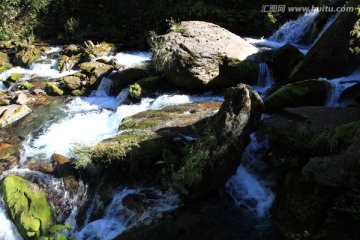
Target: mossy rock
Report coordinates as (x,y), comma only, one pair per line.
(154,82)
(14,77)
(66,63)
(71,82)
(285,59)
(234,71)
(127,77)
(53,89)
(5,67)
(26,86)
(83,91)
(4,59)
(135,91)
(28,206)
(102,49)
(71,50)
(130,151)
(27,56)
(303,93)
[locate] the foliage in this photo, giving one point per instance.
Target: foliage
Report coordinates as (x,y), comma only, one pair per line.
(58,232)
(175,26)
(71,27)
(82,154)
(163,56)
(197,160)
(127,21)
(355,36)
(18,18)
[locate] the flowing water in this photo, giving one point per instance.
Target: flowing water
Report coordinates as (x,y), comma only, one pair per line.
(118,217)
(293,32)
(89,120)
(338,85)
(265,80)
(250,187)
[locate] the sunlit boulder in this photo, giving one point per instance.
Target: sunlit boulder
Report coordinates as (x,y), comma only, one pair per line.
(28,206)
(26,56)
(191,54)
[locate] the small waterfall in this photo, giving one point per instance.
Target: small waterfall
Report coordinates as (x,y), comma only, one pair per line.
(118,217)
(293,31)
(265,79)
(121,97)
(104,88)
(337,87)
(176,99)
(246,188)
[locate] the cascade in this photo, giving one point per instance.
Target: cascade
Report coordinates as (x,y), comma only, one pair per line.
(293,31)
(250,190)
(265,80)
(337,87)
(104,88)
(121,97)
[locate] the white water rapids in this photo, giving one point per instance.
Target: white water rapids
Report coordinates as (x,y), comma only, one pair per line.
(293,32)
(89,120)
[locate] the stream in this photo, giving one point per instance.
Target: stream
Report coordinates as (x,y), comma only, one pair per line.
(88,120)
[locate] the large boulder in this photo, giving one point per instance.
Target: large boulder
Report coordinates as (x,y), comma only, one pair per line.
(12,113)
(147,135)
(52,89)
(190,55)
(4,59)
(303,93)
(95,71)
(315,150)
(209,163)
(27,56)
(330,57)
(285,59)
(28,207)
(126,77)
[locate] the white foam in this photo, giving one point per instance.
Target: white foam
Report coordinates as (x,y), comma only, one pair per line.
(248,190)
(131,58)
(338,85)
(117,217)
(8,230)
(293,31)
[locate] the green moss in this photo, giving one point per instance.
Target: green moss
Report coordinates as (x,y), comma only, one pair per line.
(26,85)
(238,71)
(14,77)
(127,125)
(79,92)
(27,206)
(5,67)
(131,150)
(102,49)
(197,161)
(303,93)
(53,89)
(27,56)
(135,91)
(155,82)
